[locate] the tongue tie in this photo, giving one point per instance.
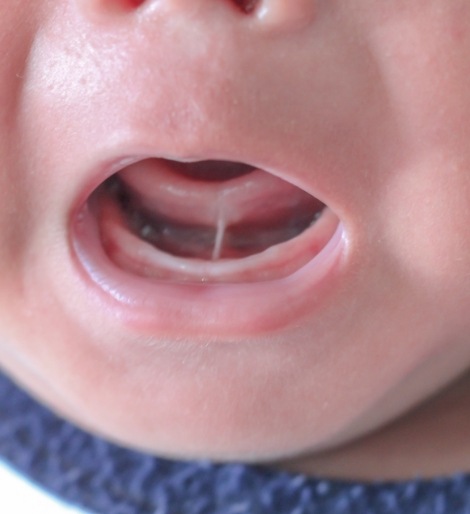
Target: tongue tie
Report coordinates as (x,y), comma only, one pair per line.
(190,211)
(219,234)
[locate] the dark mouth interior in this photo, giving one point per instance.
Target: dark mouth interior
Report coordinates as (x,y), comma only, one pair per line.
(212,171)
(189,239)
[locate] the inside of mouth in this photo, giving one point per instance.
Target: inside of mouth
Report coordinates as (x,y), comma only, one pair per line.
(208,210)
(211,171)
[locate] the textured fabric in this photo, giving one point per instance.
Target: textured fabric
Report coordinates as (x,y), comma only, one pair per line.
(107,479)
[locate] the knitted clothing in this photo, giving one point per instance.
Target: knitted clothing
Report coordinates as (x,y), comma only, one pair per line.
(107,479)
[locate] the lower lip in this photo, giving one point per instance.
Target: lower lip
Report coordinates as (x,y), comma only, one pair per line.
(202,311)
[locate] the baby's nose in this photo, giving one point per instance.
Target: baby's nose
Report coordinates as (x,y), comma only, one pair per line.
(268,15)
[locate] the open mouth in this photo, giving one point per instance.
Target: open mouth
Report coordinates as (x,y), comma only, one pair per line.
(207,221)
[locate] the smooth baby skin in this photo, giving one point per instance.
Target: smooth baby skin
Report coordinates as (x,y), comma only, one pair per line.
(364,104)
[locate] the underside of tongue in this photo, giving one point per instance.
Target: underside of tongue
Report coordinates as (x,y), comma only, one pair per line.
(211,210)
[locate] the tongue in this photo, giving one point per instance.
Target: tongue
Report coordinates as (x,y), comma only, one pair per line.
(210,193)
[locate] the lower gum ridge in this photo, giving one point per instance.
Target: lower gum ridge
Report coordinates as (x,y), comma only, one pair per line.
(130,252)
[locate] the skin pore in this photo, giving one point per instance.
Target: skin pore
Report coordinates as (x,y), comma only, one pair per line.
(350,364)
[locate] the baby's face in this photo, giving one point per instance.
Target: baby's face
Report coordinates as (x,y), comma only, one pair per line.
(234,231)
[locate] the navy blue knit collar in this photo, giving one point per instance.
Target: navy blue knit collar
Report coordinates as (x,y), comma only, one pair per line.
(106,479)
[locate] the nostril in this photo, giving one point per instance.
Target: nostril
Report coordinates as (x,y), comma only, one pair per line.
(247,6)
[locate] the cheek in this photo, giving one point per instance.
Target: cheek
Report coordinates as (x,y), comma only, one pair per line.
(426,218)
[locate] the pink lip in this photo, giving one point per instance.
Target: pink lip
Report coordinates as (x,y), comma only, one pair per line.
(204,310)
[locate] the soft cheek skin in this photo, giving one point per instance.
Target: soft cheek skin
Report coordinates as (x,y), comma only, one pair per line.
(364,104)
(424,206)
